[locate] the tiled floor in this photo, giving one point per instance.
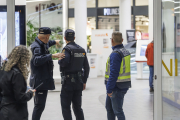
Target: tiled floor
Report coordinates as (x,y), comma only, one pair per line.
(138,103)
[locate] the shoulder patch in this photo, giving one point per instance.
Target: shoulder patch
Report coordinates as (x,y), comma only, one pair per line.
(64,51)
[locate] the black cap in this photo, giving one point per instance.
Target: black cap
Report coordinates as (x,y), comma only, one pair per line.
(69,34)
(44,30)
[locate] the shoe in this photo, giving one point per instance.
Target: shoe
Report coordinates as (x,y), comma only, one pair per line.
(151,90)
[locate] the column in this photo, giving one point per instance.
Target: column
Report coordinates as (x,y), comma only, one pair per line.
(81,23)
(10,25)
(150,19)
(124,17)
(65,17)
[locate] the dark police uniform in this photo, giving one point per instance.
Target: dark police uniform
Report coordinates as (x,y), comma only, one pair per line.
(41,72)
(74,71)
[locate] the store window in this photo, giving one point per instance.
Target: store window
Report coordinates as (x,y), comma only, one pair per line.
(142,28)
(44,14)
(90,3)
(108,22)
(142,2)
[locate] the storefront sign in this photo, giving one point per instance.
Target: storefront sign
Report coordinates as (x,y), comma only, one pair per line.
(130,35)
(50,7)
(111,11)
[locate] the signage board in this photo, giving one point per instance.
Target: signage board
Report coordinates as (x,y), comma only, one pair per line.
(130,35)
(101,45)
(111,11)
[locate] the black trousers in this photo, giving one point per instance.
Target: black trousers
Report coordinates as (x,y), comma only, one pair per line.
(72,93)
(39,104)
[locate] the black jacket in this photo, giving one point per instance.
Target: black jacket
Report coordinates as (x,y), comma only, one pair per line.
(66,62)
(42,65)
(14,100)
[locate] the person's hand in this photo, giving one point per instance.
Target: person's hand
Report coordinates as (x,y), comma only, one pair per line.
(84,86)
(32,90)
(57,42)
(110,94)
(58,55)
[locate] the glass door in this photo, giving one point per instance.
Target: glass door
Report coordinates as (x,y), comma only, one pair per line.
(170,60)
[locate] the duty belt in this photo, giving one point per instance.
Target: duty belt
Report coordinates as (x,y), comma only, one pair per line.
(72,77)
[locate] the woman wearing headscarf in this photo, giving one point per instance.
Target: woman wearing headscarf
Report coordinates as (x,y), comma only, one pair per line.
(13,85)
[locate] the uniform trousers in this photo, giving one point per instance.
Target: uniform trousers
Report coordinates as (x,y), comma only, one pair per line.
(39,104)
(72,93)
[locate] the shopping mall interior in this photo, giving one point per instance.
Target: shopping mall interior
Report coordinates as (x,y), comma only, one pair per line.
(94,21)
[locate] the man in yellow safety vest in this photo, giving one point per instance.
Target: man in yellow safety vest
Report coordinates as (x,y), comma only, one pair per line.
(117,77)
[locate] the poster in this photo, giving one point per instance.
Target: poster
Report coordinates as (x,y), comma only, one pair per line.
(93,63)
(130,35)
(101,45)
(3,34)
(145,36)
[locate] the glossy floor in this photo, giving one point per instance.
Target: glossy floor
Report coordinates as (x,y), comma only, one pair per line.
(138,103)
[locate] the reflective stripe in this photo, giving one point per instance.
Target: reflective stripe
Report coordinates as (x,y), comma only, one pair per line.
(124,66)
(124,80)
(124,74)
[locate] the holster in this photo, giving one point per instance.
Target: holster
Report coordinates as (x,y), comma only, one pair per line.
(63,78)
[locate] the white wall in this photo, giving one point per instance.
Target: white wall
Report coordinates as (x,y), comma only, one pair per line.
(90,3)
(142,2)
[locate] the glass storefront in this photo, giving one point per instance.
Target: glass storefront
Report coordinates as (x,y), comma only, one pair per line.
(171,59)
(44,14)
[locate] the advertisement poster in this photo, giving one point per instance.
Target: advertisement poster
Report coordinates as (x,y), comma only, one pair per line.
(138,35)
(145,36)
(93,63)
(130,35)
(3,34)
(101,45)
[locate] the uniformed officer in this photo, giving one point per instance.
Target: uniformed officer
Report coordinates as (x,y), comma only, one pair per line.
(42,69)
(117,77)
(74,70)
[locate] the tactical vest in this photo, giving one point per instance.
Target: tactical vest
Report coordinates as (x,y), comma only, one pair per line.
(124,72)
(76,60)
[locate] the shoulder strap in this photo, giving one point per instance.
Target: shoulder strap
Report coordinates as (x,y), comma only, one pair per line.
(118,53)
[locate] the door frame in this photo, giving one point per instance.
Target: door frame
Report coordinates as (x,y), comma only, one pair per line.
(157,25)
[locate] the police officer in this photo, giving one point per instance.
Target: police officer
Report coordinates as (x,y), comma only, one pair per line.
(42,69)
(74,70)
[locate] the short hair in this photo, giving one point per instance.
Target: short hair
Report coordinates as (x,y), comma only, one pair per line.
(117,37)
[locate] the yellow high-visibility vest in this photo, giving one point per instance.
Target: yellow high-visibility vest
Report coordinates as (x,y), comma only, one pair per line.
(125,69)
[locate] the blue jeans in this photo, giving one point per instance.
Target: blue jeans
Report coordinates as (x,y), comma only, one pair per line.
(114,105)
(151,69)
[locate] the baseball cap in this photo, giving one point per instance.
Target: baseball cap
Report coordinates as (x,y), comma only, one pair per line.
(44,30)
(69,34)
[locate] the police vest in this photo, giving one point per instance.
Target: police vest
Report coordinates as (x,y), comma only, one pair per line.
(124,72)
(77,58)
